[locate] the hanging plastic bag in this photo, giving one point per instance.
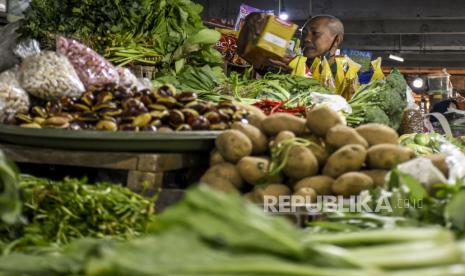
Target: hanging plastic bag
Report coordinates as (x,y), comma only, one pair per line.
(13,99)
(49,75)
(351,82)
(94,71)
(315,68)
(377,71)
(340,73)
(326,77)
(298,65)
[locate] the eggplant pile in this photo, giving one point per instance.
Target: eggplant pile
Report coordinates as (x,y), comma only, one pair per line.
(120,109)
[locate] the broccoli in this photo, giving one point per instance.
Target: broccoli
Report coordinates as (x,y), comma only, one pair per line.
(374,114)
(380,102)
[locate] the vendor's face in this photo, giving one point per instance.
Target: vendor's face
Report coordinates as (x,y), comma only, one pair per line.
(317,38)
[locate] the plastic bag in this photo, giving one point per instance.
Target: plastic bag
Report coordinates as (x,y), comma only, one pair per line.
(350,83)
(340,73)
(7,45)
(49,75)
(335,102)
(326,78)
(315,68)
(298,65)
(377,71)
(128,80)
(245,10)
(424,171)
(94,71)
(13,99)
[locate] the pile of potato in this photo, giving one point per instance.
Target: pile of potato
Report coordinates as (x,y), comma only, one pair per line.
(340,160)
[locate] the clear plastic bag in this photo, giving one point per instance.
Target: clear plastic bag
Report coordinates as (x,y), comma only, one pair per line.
(13,99)
(49,75)
(94,71)
(7,45)
(128,80)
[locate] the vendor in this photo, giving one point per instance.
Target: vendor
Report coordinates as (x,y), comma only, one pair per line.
(321,36)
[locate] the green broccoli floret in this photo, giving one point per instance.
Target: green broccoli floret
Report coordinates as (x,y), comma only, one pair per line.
(374,114)
(397,82)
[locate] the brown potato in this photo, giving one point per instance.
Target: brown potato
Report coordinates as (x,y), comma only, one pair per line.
(233,145)
(387,156)
(301,162)
(378,176)
(321,154)
(278,122)
(347,159)
(216,158)
(439,161)
(220,184)
(352,183)
(253,169)
(250,196)
(283,136)
(256,115)
(224,171)
(341,135)
(321,184)
(275,190)
(376,134)
(321,119)
(258,139)
(308,193)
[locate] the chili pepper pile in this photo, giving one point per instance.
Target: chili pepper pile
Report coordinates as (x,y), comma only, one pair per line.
(274,106)
(57,212)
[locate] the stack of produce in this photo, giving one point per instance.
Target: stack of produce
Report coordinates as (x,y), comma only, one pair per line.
(380,102)
(282,154)
(429,143)
(164,33)
(211,233)
(120,108)
(57,212)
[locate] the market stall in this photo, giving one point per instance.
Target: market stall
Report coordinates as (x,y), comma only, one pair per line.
(205,165)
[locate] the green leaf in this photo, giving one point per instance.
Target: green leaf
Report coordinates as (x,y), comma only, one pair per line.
(179,65)
(454,212)
(416,191)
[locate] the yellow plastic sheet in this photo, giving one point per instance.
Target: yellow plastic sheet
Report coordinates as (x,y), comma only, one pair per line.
(326,77)
(298,65)
(350,83)
(315,68)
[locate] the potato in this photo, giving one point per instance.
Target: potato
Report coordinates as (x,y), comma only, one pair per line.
(309,194)
(351,183)
(347,159)
(376,134)
(224,171)
(321,119)
(321,184)
(301,162)
(387,156)
(439,161)
(283,136)
(253,169)
(256,115)
(233,145)
(377,176)
(258,139)
(250,196)
(275,190)
(220,184)
(341,135)
(321,154)
(278,122)
(216,158)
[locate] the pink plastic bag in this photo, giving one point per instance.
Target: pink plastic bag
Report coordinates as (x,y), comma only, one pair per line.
(94,71)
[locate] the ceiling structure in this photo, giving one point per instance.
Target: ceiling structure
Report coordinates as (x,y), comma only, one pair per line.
(424,32)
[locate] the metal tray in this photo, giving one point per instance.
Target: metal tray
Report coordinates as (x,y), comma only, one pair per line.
(124,141)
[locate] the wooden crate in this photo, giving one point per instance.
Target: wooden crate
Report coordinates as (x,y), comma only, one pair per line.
(148,169)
